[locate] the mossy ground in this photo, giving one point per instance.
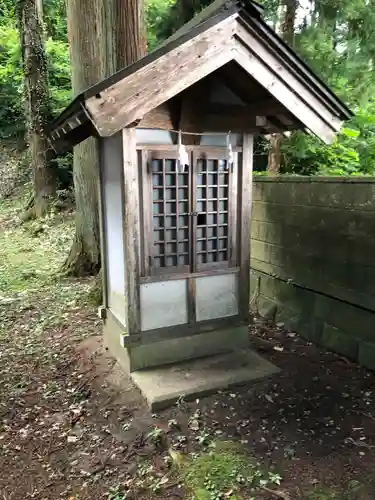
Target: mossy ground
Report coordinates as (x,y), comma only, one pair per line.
(225,471)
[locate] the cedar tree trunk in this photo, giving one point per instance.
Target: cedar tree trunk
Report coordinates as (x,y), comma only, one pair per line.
(287,33)
(86,54)
(130,39)
(104,36)
(36,105)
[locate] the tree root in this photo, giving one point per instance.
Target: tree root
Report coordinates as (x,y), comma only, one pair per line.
(95,295)
(30,203)
(29,214)
(36,208)
(79,263)
(281,495)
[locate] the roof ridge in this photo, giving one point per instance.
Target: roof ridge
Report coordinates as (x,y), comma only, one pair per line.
(215,8)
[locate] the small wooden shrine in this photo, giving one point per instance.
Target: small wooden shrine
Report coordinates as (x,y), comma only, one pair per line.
(176,133)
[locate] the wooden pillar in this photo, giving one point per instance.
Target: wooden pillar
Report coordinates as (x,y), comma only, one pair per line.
(245,199)
(102,226)
(131,230)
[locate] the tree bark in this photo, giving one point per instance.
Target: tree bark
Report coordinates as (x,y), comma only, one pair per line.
(130,42)
(39,9)
(287,32)
(287,27)
(274,156)
(37,105)
(86,54)
(104,36)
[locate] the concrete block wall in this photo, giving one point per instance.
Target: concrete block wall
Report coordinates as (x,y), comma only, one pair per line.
(313,259)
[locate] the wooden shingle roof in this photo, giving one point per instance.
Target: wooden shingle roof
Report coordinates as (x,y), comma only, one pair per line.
(225,32)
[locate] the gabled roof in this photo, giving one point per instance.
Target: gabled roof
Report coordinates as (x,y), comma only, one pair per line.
(227,30)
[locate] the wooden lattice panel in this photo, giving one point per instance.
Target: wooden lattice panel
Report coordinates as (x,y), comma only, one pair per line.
(212,207)
(170,214)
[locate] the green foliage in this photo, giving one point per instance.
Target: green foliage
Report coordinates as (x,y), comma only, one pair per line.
(55,19)
(64,167)
(157,16)
(164,17)
(11,83)
(7,9)
(156,435)
(59,74)
(12,121)
(337,41)
(225,472)
(353,152)
(115,494)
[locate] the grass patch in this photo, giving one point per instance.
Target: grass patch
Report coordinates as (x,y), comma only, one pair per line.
(322,493)
(31,254)
(225,472)
(35,302)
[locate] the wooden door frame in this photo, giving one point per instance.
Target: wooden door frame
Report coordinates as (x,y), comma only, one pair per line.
(245,180)
(146,198)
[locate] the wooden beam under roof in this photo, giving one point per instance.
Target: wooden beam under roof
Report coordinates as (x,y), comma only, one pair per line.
(160,117)
(241,84)
(262,107)
(221,118)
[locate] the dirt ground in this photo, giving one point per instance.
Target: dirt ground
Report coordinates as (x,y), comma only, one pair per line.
(83,431)
(72,425)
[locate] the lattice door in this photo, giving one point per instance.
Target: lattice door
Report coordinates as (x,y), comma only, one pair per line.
(191,216)
(171,226)
(212,220)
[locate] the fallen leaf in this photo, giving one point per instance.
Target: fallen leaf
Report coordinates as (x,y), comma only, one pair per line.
(176,457)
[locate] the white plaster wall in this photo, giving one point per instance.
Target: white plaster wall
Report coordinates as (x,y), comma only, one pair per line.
(220,139)
(216,296)
(113,224)
(153,136)
(163,304)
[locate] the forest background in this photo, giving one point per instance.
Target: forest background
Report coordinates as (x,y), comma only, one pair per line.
(335,37)
(38,71)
